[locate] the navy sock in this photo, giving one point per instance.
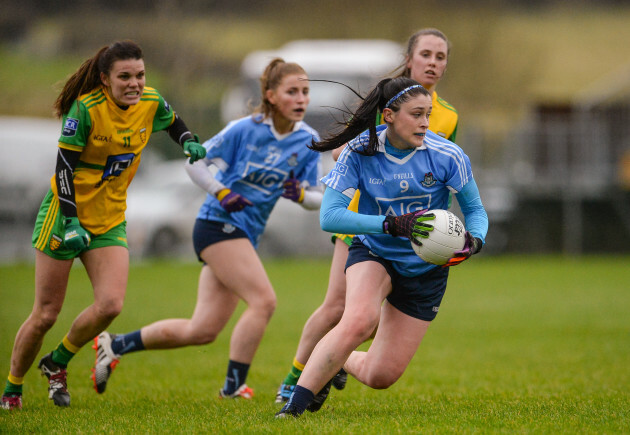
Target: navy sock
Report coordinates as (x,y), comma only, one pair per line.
(125,343)
(236,375)
(300,399)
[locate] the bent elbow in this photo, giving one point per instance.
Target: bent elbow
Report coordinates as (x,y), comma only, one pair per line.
(325,224)
(327,220)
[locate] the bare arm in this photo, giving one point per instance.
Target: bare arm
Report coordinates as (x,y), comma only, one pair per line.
(337,151)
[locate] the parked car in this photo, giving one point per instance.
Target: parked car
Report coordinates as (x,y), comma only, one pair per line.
(162,204)
(28,151)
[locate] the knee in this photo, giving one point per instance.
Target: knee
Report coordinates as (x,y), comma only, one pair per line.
(44,319)
(266,304)
(381,381)
(185,333)
(360,328)
(199,338)
(270,305)
(332,312)
(354,334)
(109,309)
(382,374)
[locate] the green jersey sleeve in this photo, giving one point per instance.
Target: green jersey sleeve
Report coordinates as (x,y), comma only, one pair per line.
(76,127)
(164,115)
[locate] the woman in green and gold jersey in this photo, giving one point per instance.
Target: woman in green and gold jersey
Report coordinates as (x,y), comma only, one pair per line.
(108,116)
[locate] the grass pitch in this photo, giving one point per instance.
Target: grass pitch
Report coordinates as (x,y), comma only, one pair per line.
(521,344)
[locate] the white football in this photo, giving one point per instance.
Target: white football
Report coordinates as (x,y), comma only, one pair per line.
(446,238)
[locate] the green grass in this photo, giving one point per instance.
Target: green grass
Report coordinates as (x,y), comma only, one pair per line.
(521,344)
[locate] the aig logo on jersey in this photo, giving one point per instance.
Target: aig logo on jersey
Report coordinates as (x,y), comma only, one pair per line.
(340,168)
(396,206)
(70,127)
(264,178)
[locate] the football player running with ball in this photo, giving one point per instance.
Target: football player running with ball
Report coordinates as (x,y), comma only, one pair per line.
(425,61)
(402,169)
(259,158)
(108,115)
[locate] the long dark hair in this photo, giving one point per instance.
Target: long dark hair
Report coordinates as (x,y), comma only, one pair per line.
(388,93)
(88,76)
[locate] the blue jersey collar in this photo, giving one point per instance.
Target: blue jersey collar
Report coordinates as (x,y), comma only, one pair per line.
(394,154)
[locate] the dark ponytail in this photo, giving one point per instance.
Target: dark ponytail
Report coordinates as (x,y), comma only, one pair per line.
(364,118)
(88,76)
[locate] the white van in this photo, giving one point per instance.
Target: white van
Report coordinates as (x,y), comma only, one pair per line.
(358,63)
(28,151)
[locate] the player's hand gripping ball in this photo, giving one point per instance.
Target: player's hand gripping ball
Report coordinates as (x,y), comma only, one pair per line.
(446,238)
(471,247)
(411,225)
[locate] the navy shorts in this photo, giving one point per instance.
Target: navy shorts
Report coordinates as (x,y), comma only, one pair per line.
(417,296)
(206,233)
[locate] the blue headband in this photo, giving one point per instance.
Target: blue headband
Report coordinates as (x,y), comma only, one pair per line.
(398,95)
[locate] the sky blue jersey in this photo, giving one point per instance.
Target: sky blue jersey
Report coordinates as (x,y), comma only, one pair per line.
(254,161)
(394,182)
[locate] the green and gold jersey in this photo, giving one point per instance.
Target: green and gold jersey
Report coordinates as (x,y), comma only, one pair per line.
(443,119)
(111,140)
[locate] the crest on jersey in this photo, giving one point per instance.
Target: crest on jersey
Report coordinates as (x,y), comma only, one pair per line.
(293,161)
(143,135)
(70,127)
(429,180)
(55,242)
(167,107)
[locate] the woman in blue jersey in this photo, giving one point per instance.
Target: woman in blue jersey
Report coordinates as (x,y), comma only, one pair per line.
(402,169)
(257,160)
(425,61)
(108,116)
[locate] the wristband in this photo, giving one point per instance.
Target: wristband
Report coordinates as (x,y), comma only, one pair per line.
(222,193)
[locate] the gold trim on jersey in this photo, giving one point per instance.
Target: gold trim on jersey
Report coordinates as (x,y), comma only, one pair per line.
(443,119)
(445,103)
(67,146)
(94,98)
(49,223)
